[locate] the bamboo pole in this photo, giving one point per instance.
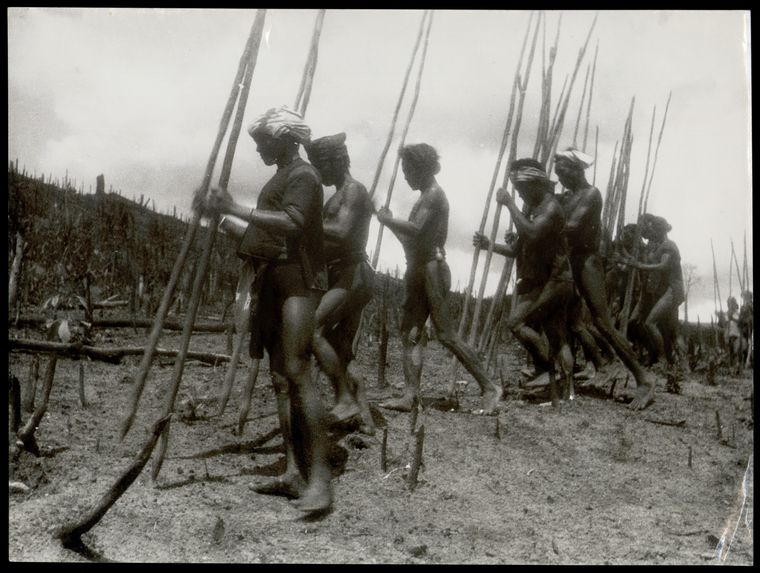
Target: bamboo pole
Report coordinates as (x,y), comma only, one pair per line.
(738,272)
(378,244)
(252,46)
(384,152)
(203,263)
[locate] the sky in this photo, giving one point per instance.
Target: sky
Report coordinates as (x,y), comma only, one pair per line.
(137,94)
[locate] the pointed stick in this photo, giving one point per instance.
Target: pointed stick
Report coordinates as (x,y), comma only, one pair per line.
(580,106)
(657,150)
(379,242)
(745,267)
(252,44)
(253,373)
(716,283)
(203,263)
(738,272)
(384,153)
(590,95)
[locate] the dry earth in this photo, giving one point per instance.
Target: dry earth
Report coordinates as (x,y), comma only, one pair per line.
(593,483)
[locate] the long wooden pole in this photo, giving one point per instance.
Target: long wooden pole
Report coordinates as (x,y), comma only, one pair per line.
(253,42)
(379,242)
(311,65)
(657,150)
(716,283)
(738,272)
(596,155)
(523,84)
(203,263)
(408,73)
(588,106)
(494,178)
(580,106)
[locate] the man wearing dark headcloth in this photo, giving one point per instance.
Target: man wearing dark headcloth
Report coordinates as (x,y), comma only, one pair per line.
(544,286)
(345,223)
(583,208)
(428,279)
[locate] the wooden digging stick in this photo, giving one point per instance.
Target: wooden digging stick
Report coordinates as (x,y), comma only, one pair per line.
(312,68)
(378,244)
(454,365)
(384,153)
(494,178)
(70,535)
(588,105)
(142,373)
(523,86)
(200,275)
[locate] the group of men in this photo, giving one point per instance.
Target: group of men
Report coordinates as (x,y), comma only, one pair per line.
(312,278)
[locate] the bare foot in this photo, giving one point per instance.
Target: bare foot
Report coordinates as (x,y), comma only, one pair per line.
(490,400)
(539,381)
(528,372)
(316,498)
(403,404)
(644,394)
(588,372)
(288,485)
(343,411)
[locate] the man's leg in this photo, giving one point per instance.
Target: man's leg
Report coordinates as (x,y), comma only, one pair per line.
(437,284)
(329,313)
(307,415)
(413,340)
(591,285)
(657,316)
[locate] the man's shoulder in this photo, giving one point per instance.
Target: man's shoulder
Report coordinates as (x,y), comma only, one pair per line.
(301,170)
(355,189)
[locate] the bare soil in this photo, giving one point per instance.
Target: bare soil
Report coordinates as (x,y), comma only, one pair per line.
(592,483)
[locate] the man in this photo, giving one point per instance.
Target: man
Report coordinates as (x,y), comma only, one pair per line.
(544,286)
(428,279)
(284,238)
(345,222)
(583,208)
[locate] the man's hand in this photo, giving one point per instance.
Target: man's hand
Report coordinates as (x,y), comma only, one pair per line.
(481,241)
(219,200)
(503,197)
(510,237)
(384,215)
(199,199)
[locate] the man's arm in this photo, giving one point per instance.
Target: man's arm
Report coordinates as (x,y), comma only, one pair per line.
(584,207)
(345,222)
(661,266)
(409,230)
(481,241)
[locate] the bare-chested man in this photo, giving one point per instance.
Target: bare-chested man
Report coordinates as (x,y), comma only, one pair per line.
(583,208)
(428,279)
(544,285)
(668,293)
(345,222)
(284,238)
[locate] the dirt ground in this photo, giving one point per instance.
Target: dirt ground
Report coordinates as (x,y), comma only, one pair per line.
(593,483)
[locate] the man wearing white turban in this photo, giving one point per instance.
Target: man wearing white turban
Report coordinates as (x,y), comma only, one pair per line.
(284,238)
(583,208)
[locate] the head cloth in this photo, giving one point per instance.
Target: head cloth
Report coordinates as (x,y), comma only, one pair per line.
(328,147)
(577,157)
(279,121)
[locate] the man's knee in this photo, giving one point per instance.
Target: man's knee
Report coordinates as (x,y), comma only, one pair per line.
(279,383)
(295,366)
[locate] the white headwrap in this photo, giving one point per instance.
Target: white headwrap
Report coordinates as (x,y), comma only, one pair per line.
(529,173)
(278,121)
(579,158)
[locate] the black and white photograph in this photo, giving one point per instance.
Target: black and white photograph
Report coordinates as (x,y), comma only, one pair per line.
(380,286)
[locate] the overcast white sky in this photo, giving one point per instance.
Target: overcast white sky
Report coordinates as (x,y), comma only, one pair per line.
(137,94)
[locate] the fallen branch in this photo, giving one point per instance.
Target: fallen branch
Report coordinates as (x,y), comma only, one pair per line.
(112,355)
(70,535)
(32,321)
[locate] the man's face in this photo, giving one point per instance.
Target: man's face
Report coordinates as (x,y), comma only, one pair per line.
(327,171)
(566,171)
(530,192)
(270,148)
(411,175)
